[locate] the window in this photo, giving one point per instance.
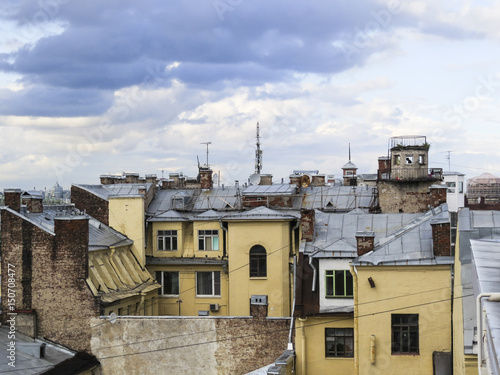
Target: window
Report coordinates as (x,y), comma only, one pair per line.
(208,240)
(451,187)
(208,283)
(338,283)
(258,261)
(339,342)
(421,159)
(409,159)
(397,159)
(169,282)
(460,187)
(167,240)
(404,333)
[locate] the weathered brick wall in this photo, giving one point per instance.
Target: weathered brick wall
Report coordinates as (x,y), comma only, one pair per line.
(307,223)
(408,197)
(62,299)
(208,346)
(441,239)
(96,207)
(50,274)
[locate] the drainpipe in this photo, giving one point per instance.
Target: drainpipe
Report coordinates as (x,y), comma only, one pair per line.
(492,297)
(223,244)
(315,270)
(356,330)
(303,341)
(292,320)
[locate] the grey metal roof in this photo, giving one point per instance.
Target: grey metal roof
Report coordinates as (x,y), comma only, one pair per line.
(104,191)
(337,198)
(486,262)
(100,235)
(275,189)
(336,233)
(263,213)
(26,362)
(151,261)
(349,165)
(409,245)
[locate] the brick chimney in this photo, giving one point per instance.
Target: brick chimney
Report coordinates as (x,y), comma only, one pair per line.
(72,245)
(307,222)
(266,179)
(295,180)
(441,241)
(106,179)
(12,199)
(34,205)
(131,178)
(318,180)
(438,194)
(365,242)
(206,178)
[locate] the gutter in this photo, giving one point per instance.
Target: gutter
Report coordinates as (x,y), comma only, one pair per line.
(292,320)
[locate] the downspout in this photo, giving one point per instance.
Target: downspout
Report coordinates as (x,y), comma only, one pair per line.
(224,243)
(303,344)
(493,297)
(356,330)
(292,320)
(315,270)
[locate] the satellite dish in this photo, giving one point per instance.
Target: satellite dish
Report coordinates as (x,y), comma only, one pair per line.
(112,318)
(255,179)
(305,180)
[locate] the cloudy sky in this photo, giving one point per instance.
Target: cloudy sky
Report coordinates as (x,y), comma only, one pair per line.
(97,87)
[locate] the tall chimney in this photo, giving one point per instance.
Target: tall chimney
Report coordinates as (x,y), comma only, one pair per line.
(441,241)
(206,178)
(365,242)
(72,244)
(12,199)
(34,205)
(307,222)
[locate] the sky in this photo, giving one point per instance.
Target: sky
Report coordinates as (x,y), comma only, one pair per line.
(99,87)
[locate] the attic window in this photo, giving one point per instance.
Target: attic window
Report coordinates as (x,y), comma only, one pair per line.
(329,205)
(409,159)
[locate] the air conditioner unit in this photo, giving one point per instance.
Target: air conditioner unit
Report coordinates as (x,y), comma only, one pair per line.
(203,313)
(258,300)
(214,307)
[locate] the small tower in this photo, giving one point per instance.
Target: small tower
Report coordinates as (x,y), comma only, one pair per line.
(409,158)
(349,172)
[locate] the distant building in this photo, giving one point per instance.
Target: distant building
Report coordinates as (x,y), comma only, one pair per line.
(485,186)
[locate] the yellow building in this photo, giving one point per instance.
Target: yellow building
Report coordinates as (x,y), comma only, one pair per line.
(403,299)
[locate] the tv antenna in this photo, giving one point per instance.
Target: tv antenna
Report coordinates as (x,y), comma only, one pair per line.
(448,157)
(258,153)
(206,143)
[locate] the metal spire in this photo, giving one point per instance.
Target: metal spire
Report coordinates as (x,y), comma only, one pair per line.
(349,151)
(258,153)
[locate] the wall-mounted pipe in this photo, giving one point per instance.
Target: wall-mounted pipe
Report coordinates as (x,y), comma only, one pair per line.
(303,341)
(372,349)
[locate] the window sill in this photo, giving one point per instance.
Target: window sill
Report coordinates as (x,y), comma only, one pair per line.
(258,277)
(405,354)
(204,297)
(169,296)
(337,297)
(330,358)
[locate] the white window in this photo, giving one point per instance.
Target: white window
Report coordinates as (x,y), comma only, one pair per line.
(409,159)
(167,240)
(169,282)
(421,159)
(208,284)
(208,240)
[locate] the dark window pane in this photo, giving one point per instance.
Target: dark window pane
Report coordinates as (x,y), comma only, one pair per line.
(339,283)
(349,284)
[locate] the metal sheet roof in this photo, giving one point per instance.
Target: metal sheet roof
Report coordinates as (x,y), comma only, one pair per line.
(336,233)
(275,189)
(104,191)
(486,261)
(117,275)
(411,244)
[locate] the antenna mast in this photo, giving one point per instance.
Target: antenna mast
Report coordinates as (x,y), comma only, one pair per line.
(258,153)
(206,143)
(448,157)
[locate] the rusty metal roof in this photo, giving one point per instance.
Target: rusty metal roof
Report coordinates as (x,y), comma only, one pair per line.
(114,275)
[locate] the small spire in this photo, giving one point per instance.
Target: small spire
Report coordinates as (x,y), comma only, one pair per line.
(349,151)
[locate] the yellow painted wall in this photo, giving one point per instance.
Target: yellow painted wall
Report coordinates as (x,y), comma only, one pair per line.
(126,215)
(462,364)
(424,290)
(275,237)
(310,347)
(187,292)
(146,306)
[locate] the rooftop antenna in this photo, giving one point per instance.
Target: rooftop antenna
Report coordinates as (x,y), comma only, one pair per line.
(206,143)
(258,153)
(448,157)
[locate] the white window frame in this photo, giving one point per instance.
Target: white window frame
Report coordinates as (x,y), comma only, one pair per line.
(208,240)
(213,286)
(165,237)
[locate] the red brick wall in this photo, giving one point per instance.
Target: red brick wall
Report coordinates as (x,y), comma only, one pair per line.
(441,239)
(96,207)
(365,244)
(307,221)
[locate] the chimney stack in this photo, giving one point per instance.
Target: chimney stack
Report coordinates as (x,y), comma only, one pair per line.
(266,179)
(131,178)
(441,241)
(72,244)
(365,242)
(34,205)
(206,178)
(12,199)
(307,222)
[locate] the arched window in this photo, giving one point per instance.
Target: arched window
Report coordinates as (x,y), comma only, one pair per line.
(258,261)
